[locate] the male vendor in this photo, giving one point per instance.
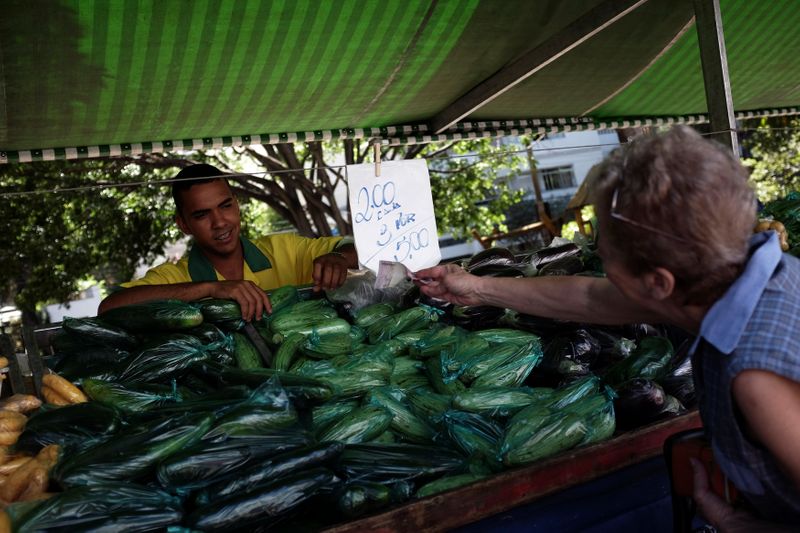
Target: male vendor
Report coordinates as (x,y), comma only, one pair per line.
(224,264)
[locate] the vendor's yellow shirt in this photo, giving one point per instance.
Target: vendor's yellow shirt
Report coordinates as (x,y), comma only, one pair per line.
(270,262)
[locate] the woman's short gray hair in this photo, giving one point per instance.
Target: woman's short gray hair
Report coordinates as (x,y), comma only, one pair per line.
(691,188)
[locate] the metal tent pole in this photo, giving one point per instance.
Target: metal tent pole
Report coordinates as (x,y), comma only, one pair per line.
(715,72)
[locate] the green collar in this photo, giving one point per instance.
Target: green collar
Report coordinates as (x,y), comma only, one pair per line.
(200,268)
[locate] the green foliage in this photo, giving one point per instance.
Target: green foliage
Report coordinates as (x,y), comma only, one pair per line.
(774,160)
(468,189)
(51,241)
(570,229)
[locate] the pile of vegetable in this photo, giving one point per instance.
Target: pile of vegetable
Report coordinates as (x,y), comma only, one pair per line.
(163,414)
(783,216)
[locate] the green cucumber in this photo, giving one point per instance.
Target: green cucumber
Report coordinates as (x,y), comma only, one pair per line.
(245,353)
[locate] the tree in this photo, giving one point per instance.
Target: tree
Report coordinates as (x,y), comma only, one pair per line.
(55,237)
(773,156)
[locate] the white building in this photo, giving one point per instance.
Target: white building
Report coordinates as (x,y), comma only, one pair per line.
(563,161)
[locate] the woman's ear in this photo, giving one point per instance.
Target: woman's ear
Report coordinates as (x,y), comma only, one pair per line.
(659,283)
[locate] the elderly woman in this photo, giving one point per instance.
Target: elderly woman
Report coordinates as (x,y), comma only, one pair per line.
(675,218)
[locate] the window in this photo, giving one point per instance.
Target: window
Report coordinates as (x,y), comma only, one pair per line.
(557,178)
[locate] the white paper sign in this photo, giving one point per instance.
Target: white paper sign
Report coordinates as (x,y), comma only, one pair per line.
(392,214)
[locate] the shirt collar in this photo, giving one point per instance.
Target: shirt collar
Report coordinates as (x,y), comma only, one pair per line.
(724,324)
(201,269)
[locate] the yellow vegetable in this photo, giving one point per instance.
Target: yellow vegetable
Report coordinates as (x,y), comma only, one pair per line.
(21,403)
(5,522)
(12,421)
(52,397)
(17,481)
(48,455)
(12,465)
(37,484)
(762,225)
(64,388)
(8,438)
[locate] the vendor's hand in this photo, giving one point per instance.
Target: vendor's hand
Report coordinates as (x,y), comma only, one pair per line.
(719,513)
(449,282)
(253,301)
(330,271)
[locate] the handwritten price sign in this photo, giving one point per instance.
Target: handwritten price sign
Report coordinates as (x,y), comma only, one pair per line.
(392,214)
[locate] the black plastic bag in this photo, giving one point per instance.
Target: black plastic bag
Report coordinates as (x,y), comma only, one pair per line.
(571,355)
(71,424)
(101,507)
(390,463)
(642,401)
(263,505)
(206,462)
(133,453)
(272,469)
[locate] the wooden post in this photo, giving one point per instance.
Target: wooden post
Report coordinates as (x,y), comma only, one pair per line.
(537,190)
(715,72)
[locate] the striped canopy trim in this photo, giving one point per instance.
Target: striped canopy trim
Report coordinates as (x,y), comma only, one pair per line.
(392,135)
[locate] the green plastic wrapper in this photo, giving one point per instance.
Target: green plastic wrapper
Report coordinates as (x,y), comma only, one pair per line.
(360,425)
(409,320)
(327,346)
(434,370)
(461,355)
(468,370)
(557,433)
(225,314)
(366,316)
(408,373)
(427,402)
(573,392)
(130,399)
(436,339)
(497,401)
(405,422)
(512,373)
(650,360)
(505,336)
(476,436)
(100,507)
(598,412)
(325,415)
(157,315)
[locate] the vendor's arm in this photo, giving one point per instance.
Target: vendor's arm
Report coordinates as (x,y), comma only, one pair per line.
(250,298)
(574,298)
(330,270)
(770,405)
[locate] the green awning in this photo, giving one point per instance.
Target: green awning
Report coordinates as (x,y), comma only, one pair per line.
(81,78)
